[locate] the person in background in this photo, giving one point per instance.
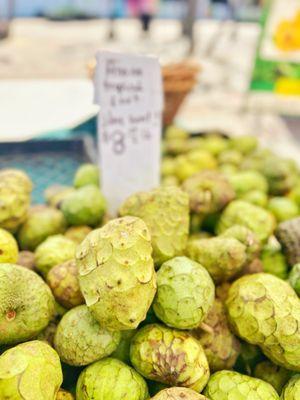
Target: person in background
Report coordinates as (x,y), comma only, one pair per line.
(144,9)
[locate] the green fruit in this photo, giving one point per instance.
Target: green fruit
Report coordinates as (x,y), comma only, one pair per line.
(273,260)
(30,370)
(255,218)
(53,251)
(64,283)
(220,345)
(294,278)
(192,162)
(222,257)
(273,374)
(185,293)
(26,306)
(256,197)
(175,132)
(246,181)
(292,389)
(26,259)
(214,143)
(231,156)
(265,311)
(245,144)
(168,167)
(116,273)
(166,213)
(283,208)
(78,233)
(56,194)
(177,393)
(80,340)
(110,379)
(169,356)
(280,174)
(15,191)
(41,222)
(229,385)
(209,192)
(85,206)
(247,238)
(87,174)
(63,395)
(288,234)
(8,247)
(122,352)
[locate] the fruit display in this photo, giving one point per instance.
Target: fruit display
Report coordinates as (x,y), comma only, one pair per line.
(190,292)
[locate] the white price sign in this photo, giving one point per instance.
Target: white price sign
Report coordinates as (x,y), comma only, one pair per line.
(128,89)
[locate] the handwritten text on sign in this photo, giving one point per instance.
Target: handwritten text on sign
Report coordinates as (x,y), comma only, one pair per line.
(129,92)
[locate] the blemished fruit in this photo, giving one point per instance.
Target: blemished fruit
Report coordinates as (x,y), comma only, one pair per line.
(116,273)
(80,340)
(64,395)
(54,250)
(273,374)
(288,234)
(169,356)
(64,283)
(85,206)
(232,385)
(223,257)
(8,247)
(209,192)
(221,347)
(185,293)
(111,379)
(177,393)
(26,259)
(166,213)
(264,310)
(30,370)
(87,174)
(257,219)
(27,304)
(55,194)
(292,389)
(41,222)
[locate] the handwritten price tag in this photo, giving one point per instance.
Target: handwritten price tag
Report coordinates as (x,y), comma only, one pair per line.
(128,89)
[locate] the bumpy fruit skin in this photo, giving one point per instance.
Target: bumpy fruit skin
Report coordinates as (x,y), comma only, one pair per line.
(192,162)
(56,194)
(8,247)
(294,278)
(232,385)
(54,250)
(26,306)
(30,370)
(87,174)
(209,192)
(247,238)
(246,181)
(222,257)
(110,379)
(264,310)
(64,283)
(63,395)
(273,374)
(85,206)
(220,345)
(177,393)
(280,174)
(166,213)
(122,352)
(15,191)
(283,208)
(169,356)
(116,273)
(41,222)
(288,234)
(185,293)
(255,218)
(78,233)
(292,389)
(26,259)
(80,340)
(274,262)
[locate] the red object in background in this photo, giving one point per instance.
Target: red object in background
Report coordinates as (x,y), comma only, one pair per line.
(139,7)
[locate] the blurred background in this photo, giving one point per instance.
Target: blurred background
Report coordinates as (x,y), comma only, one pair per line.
(247,52)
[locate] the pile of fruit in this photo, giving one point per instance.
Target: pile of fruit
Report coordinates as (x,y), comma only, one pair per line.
(191,293)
